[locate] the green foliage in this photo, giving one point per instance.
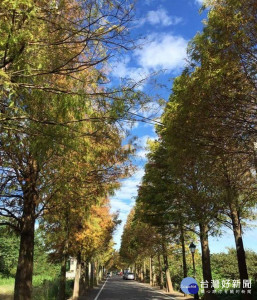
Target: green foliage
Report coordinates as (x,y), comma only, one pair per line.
(9,250)
(45,275)
(48,289)
(44,287)
(44,269)
(224,265)
(199,175)
(176,267)
(60,122)
(6,280)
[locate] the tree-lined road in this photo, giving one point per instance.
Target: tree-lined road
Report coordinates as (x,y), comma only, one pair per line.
(115,288)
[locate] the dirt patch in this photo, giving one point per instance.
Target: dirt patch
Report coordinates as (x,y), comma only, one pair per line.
(5,297)
(6,292)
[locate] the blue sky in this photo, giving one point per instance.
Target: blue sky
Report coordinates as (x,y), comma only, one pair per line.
(166,27)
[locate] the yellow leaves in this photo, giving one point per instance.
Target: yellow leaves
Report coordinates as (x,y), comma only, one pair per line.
(95,233)
(117,28)
(18,4)
(100,30)
(107,29)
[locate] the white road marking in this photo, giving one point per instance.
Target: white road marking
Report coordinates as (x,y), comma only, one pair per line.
(140,284)
(100,290)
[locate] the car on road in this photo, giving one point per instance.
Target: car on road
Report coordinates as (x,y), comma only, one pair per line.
(129,276)
(108,275)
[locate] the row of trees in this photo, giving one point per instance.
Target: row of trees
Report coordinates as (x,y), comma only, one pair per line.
(61,130)
(146,250)
(163,258)
(201,173)
(50,265)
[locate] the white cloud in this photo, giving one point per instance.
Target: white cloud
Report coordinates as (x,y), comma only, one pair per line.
(128,188)
(142,141)
(142,153)
(143,146)
(122,70)
(117,204)
(124,200)
(129,125)
(200,2)
(138,74)
(151,110)
(135,125)
(162,52)
(159,17)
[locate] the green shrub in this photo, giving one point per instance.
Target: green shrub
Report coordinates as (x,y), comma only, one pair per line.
(224,265)
(6,280)
(48,289)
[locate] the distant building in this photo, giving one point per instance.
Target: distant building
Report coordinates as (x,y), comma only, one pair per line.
(71,268)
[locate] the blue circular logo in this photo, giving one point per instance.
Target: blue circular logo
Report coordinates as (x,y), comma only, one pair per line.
(189,286)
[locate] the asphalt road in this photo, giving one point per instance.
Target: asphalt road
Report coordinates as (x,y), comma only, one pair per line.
(115,288)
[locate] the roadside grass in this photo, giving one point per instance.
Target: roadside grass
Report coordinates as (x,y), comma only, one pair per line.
(48,289)
(6,287)
(6,280)
(44,287)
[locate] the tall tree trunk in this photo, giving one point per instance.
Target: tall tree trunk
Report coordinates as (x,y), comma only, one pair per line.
(144,271)
(241,258)
(135,266)
(76,288)
(160,272)
(100,273)
(166,266)
(154,276)
(87,275)
(61,294)
(23,277)
(167,273)
(62,285)
(92,274)
(97,273)
(206,262)
(141,273)
(182,238)
(151,270)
